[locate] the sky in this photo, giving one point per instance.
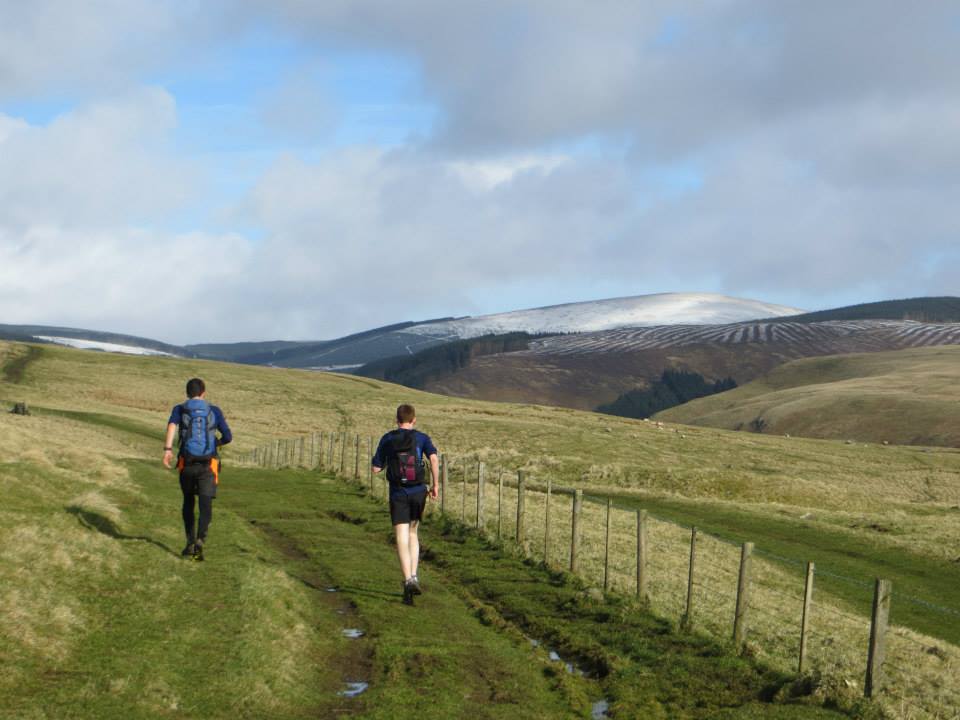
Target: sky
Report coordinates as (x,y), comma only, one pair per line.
(288,169)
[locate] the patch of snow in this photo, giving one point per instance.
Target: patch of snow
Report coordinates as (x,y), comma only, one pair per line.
(639,311)
(105,346)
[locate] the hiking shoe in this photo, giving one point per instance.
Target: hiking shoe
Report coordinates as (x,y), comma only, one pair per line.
(415,582)
(198,551)
(408,592)
(189,549)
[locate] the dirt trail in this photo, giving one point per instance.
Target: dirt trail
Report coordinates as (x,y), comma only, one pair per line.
(15,368)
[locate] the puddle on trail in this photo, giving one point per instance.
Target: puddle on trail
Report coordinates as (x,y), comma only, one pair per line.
(332,588)
(599,710)
(353,633)
(571,668)
(354,689)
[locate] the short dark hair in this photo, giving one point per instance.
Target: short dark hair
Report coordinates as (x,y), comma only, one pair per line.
(195,387)
(406,413)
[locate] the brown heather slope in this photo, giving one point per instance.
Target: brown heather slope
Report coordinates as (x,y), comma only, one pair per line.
(907,397)
(585,381)
(586,370)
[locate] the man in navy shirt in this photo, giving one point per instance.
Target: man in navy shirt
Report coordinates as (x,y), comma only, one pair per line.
(401,452)
(198,461)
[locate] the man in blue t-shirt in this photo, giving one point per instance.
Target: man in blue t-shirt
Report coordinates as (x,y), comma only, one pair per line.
(198,460)
(401,452)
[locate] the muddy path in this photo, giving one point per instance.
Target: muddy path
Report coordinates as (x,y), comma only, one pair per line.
(353,661)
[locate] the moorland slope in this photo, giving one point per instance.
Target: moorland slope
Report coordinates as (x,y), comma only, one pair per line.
(903,397)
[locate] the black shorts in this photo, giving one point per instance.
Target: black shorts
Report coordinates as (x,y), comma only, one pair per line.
(407,508)
(198,480)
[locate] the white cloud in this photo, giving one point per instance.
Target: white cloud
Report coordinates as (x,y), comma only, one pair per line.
(68,47)
(102,164)
(122,280)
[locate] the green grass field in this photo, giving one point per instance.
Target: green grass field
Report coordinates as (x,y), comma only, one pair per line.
(92,591)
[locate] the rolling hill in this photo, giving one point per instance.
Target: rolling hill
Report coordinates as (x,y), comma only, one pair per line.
(904,397)
(589,369)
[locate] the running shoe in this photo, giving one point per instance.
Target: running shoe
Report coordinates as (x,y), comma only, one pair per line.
(188,550)
(408,592)
(198,551)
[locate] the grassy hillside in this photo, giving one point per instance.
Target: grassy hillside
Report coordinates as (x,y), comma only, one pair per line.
(101,618)
(903,397)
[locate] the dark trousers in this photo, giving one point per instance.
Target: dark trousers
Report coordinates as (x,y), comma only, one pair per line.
(196,481)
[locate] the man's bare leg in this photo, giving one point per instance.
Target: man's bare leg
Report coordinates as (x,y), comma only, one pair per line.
(413,545)
(402,532)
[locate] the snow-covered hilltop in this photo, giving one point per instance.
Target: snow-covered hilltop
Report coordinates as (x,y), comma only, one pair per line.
(82,344)
(638,311)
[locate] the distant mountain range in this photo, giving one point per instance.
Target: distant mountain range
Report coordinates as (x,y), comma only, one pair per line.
(408,338)
(577,355)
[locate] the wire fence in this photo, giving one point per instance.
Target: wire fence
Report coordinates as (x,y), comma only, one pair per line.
(757,601)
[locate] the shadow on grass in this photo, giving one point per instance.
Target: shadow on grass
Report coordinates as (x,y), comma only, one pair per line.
(106,526)
(370,592)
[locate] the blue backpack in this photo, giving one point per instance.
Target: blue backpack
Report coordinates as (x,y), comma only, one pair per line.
(198,427)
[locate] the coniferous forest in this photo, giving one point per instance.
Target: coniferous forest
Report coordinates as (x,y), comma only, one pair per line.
(674,387)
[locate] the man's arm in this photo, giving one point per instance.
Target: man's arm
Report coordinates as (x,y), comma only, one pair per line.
(435,471)
(225,435)
(376,462)
(168,444)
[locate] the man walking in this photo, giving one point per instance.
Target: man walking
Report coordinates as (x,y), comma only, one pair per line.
(401,452)
(198,461)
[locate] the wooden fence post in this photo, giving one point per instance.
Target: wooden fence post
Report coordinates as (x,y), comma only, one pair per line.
(276,455)
(343,453)
(575,530)
(370,463)
(443,484)
(521,508)
(743,598)
(333,437)
(480,479)
(642,555)
(805,619)
(463,493)
(686,621)
(303,442)
(878,633)
(546,523)
(356,461)
(499,505)
(606,546)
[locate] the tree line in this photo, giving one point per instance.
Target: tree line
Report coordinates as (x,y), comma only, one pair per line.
(674,387)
